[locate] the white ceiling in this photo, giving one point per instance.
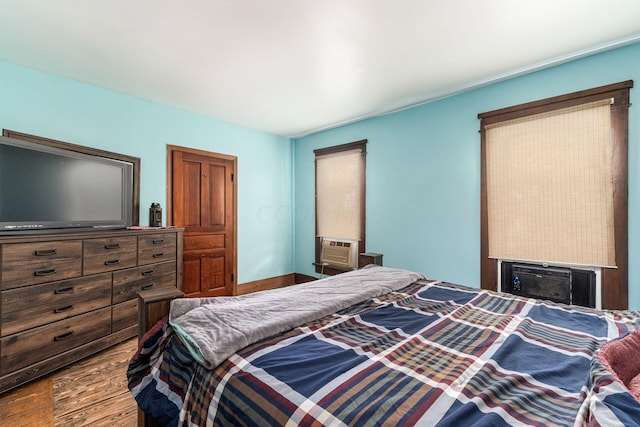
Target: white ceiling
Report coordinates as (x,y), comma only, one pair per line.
(292,67)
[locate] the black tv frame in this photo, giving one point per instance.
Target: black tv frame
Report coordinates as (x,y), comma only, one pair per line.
(89,151)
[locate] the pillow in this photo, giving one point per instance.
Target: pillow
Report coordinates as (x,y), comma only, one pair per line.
(622,358)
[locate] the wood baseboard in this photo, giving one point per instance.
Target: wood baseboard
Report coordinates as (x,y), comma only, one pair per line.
(304,278)
(264,284)
(273,283)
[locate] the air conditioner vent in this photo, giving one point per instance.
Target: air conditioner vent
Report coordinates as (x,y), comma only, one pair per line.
(340,253)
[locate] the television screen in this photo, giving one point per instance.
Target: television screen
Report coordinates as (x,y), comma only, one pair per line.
(43,187)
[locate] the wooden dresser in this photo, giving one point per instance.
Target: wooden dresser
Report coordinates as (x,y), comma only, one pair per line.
(65,296)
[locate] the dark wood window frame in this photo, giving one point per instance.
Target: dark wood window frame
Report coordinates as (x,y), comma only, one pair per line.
(362,146)
(614,281)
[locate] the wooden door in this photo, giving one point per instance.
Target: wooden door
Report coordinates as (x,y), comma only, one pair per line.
(203,202)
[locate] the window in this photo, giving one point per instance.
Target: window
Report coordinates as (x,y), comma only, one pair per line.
(554,185)
(340,198)
(549,187)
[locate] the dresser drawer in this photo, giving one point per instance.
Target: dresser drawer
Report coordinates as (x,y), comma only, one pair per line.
(26,264)
(28,307)
(102,255)
(25,348)
(156,248)
(108,246)
(127,283)
(124,315)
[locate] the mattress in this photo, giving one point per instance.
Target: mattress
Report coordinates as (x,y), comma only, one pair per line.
(429,353)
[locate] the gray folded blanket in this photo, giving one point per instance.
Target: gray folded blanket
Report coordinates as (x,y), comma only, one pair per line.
(216,328)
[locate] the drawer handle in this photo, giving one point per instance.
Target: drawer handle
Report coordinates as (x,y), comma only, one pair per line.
(112,246)
(64,290)
(63,336)
(147,286)
(46,252)
(147,273)
(158,241)
(158,255)
(45,272)
(112,262)
(63,309)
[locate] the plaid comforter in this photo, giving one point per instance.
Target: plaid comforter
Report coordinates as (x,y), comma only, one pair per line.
(430,354)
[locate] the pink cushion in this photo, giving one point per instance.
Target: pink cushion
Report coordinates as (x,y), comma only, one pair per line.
(634,387)
(622,359)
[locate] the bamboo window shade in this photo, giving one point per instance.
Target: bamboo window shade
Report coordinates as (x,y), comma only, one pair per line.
(550,187)
(339,194)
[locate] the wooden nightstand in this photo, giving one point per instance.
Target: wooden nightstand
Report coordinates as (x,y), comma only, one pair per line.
(367,258)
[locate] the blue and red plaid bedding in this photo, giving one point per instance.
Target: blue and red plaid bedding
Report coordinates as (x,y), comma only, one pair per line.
(430,354)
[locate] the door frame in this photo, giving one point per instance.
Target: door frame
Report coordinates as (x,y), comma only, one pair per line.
(234,160)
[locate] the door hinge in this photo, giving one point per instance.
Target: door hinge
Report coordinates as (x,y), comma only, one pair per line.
(231,177)
(232,277)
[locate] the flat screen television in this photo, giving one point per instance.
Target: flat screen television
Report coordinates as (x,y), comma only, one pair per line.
(47,188)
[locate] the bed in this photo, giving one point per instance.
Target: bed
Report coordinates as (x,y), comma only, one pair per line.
(381,346)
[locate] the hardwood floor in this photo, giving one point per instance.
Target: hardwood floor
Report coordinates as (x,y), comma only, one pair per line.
(92,392)
(29,405)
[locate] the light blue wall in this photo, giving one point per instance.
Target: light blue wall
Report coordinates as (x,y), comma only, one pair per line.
(423,166)
(423,171)
(64,109)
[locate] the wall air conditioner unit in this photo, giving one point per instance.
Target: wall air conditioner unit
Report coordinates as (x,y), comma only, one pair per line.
(341,253)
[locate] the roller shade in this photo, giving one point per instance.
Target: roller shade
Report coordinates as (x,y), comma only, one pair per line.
(339,194)
(550,187)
